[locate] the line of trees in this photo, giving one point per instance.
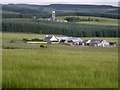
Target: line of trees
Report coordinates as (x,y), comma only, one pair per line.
(19,15)
(69,29)
(77,19)
(46,14)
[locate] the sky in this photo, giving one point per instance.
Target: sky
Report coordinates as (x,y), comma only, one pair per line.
(46,2)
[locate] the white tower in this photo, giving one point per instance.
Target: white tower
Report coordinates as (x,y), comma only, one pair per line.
(53,15)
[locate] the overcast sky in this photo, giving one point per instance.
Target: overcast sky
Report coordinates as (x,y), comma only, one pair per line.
(44,2)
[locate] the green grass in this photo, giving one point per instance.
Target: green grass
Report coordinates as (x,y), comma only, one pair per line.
(58,66)
(102,22)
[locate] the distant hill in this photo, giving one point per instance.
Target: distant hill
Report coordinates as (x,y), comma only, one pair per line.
(79,6)
(26,10)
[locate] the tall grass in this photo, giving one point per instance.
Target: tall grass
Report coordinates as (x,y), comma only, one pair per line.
(59,66)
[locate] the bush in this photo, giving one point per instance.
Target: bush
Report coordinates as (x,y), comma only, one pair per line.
(25,39)
(37,39)
(42,46)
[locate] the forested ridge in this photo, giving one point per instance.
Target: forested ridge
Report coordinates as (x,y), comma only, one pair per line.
(27,11)
(69,29)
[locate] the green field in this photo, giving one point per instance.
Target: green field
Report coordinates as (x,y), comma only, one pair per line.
(102,22)
(58,66)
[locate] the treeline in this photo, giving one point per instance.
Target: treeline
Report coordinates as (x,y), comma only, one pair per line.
(19,15)
(69,29)
(46,15)
(78,19)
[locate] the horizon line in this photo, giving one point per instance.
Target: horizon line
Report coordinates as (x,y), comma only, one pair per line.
(63,3)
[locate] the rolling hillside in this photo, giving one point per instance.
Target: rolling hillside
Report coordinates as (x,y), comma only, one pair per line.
(26,10)
(18,18)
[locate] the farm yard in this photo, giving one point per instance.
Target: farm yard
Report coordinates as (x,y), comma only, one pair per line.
(57,66)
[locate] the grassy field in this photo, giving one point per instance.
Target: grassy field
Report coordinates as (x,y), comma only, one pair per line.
(103,21)
(58,66)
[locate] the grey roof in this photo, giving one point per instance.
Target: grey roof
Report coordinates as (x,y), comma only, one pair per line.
(47,38)
(96,41)
(74,39)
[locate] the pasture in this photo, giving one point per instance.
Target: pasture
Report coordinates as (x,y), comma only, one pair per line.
(102,22)
(58,66)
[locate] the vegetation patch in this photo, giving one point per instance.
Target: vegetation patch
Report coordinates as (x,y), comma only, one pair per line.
(78,19)
(69,29)
(34,39)
(42,46)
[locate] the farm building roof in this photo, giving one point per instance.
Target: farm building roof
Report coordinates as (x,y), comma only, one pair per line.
(47,38)
(74,39)
(96,41)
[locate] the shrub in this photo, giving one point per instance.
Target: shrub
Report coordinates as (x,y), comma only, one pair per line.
(25,39)
(42,46)
(37,39)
